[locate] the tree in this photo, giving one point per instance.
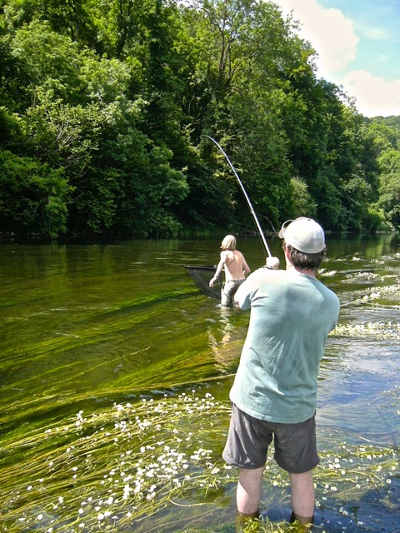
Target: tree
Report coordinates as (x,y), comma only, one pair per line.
(302,202)
(118,96)
(33,197)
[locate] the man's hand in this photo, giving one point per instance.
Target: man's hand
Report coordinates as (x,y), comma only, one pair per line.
(212,281)
(272,263)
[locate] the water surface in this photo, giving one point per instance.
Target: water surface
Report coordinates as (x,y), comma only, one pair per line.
(85,328)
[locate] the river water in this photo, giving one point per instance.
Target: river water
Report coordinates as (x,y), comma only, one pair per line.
(103,348)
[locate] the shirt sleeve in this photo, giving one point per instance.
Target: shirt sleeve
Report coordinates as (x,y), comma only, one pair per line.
(247,290)
(337,302)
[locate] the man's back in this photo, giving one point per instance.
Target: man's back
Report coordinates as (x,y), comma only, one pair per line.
(235,265)
(291,316)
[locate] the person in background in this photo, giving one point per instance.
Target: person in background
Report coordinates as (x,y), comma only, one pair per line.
(235,267)
(275,388)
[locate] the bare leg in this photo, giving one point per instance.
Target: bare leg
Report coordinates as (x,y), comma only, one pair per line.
(303,496)
(248,490)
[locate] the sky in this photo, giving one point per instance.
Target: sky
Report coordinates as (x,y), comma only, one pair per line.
(357,42)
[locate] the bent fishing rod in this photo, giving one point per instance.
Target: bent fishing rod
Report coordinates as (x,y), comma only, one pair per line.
(244,192)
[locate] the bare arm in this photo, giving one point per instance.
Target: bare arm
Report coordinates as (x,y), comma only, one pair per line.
(219,270)
(246,267)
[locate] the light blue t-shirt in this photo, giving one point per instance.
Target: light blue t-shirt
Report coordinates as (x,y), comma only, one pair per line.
(291,316)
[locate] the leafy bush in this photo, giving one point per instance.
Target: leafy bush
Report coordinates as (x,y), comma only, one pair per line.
(33,197)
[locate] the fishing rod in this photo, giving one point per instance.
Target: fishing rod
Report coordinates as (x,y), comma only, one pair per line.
(244,192)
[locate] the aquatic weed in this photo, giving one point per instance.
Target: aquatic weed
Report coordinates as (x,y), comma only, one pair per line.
(112,469)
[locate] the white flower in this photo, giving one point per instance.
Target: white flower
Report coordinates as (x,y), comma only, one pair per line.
(127,490)
(100,516)
(40,516)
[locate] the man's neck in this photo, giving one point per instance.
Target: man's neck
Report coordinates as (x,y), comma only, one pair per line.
(306,272)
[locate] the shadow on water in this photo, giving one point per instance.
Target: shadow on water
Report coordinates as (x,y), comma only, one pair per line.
(115,374)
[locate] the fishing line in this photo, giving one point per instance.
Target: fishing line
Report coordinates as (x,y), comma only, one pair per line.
(244,192)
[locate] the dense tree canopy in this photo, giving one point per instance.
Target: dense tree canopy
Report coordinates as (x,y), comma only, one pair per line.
(105,107)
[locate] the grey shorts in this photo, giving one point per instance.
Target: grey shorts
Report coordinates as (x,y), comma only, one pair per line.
(249,438)
(228,291)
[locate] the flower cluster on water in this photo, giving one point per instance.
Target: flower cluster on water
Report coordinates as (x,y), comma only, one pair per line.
(361,276)
(379,330)
(121,463)
(110,469)
(387,292)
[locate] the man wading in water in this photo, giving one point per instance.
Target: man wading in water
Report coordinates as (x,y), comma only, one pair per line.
(235,267)
(275,389)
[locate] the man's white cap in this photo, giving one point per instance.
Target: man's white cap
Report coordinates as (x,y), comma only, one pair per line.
(304,234)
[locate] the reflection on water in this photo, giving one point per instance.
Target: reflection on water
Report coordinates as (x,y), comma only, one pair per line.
(226,341)
(86,329)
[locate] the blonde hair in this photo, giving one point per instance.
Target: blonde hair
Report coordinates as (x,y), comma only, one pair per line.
(228,243)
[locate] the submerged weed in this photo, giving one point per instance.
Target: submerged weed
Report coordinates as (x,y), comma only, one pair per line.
(112,469)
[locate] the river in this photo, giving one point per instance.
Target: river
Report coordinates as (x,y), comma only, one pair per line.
(115,372)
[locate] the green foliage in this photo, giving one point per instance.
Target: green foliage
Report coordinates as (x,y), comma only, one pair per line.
(117,96)
(9,127)
(389,199)
(302,202)
(13,77)
(69,18)
(33,197)
(386,136)
(392,122)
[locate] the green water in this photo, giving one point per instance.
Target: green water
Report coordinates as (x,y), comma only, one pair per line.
(88,328)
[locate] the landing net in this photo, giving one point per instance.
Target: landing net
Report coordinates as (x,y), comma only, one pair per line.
(201,275)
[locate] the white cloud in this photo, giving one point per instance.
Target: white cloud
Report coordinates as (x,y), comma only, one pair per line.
(374,95)
(375,34)
(334,38)
(329,31)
